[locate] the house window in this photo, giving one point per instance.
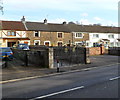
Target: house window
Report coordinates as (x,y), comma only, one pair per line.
(47,43)
(87,44)
(11,33)
(36,42)
(37,34)
(59,43)
(96,35)
(111,44)
(60,35)
(111,36)
(96,44)
(78,35)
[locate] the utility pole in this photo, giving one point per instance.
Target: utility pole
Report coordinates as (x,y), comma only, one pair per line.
(1,6)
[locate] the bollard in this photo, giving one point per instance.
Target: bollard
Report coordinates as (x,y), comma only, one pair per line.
(58,65)
(6,60)
(26,58)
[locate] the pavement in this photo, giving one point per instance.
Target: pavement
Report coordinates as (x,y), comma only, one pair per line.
(11,73)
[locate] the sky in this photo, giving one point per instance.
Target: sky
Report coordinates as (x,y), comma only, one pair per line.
(104,12)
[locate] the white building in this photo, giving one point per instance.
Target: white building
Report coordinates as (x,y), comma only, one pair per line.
(106,39)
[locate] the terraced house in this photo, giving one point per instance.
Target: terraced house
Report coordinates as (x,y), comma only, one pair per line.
(51,34)
(106,35)
(48,34)
(12,32)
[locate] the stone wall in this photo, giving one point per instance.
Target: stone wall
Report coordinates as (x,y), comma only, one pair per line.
(114,51)
(68,56)
(52,37)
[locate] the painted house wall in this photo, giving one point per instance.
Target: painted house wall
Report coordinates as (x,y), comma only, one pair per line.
(18,33)
(103,36)
(18,38)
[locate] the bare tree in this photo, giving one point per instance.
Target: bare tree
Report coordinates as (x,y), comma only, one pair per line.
(1,7)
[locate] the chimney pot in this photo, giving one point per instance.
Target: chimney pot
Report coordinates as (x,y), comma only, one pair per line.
(45,21)
(23,19)
(64,23)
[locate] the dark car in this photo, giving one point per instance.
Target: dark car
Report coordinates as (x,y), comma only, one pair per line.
(21,46)
(6,52)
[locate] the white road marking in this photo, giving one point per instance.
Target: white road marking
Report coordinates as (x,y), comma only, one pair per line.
(115,78)
(89,68)
(52,94)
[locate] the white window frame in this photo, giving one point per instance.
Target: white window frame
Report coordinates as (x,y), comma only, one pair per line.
(94,35)
(110,36)
(38,33)
(78,33)
(36,41)
(62,34)
(78,42)
(47,41)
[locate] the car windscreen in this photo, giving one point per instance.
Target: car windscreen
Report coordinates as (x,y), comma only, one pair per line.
(22,45)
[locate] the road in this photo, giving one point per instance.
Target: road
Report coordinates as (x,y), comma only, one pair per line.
(2,64)
(99,82)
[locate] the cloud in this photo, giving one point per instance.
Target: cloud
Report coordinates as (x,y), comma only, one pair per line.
(98,19)
(85,22)
(84,14)
(57,20)
(103,22)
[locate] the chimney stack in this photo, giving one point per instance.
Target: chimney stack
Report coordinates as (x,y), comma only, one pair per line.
(23,19)
(64,23)
(45,21)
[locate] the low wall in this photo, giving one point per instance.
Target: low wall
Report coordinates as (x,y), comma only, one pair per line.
(96,50)
(67,56)
(114,51)
(50,56)
(32,57)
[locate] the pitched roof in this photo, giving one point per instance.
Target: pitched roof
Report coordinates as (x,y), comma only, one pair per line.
(12,25)
(51,27)
(92,28)
(37,26)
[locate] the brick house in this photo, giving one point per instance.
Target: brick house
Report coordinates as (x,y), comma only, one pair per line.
(12,32)
(51,34)
(79,34)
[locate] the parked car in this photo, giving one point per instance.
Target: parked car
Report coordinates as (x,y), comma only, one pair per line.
(6,52)
(21,46)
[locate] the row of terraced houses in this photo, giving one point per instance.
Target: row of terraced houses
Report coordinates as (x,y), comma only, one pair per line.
(51,34)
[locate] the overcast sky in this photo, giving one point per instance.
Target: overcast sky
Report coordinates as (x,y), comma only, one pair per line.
(57,11)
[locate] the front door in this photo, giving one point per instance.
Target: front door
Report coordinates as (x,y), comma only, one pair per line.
(10,44)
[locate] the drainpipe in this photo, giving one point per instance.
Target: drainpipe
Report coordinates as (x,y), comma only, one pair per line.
(72,38)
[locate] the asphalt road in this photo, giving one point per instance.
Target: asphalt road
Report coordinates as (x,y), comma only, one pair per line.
(99,82)
(2,64)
